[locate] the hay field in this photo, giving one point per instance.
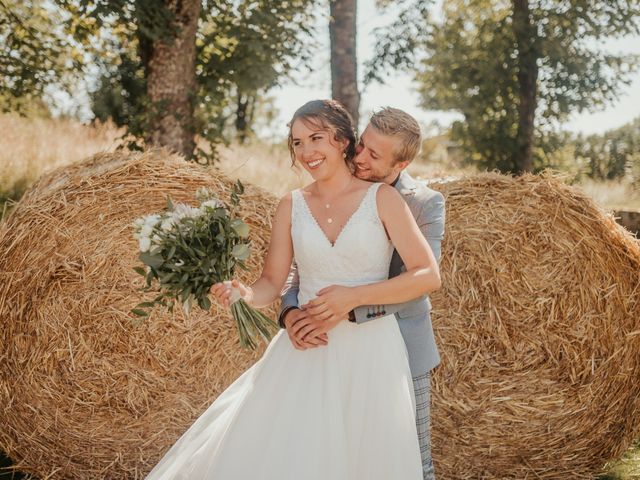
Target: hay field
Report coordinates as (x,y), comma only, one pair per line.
(31,147)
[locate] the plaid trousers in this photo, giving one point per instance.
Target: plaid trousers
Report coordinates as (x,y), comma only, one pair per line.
(421,388)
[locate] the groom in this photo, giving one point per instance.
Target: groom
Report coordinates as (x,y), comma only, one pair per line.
(387,146)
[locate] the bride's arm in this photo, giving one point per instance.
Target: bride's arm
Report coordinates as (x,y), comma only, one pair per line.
(276,265)
(422,274)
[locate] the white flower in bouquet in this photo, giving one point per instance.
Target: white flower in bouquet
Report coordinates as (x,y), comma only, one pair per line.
(185,250)
(182,210)
(213,203)
(144,243)
(167,224)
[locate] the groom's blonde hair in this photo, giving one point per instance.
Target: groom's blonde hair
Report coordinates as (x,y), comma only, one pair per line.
(396,123)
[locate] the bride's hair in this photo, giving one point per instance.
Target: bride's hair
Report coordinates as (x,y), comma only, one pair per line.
(329,115)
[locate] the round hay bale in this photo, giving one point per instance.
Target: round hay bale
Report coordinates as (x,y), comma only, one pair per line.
(538,324)
(85,391)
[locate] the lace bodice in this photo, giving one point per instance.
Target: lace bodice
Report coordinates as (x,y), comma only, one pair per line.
(360,255)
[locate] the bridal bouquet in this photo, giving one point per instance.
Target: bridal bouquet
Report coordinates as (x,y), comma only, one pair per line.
(186,250)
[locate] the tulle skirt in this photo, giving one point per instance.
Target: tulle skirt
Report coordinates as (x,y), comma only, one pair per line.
(344,411)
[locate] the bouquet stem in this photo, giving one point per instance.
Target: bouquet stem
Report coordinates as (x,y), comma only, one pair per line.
(252,324)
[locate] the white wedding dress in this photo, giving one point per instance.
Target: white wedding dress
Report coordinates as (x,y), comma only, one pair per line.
(344,411)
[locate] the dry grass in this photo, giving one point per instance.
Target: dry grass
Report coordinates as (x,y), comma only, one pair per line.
(537,323)
(86,391)
(30,147)
(613,194)
(267,166)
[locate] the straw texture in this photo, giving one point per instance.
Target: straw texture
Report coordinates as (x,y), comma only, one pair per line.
(538,324)
(84,392)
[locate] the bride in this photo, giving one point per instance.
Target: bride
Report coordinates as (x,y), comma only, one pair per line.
(343,410)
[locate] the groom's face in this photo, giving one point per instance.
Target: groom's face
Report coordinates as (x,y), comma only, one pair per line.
(375,157)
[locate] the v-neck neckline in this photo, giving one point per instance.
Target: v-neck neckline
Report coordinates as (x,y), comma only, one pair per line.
(333,244)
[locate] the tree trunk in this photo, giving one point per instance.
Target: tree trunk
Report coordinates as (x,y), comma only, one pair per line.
(526,39)
(245,106)
(171,80)
(344,72)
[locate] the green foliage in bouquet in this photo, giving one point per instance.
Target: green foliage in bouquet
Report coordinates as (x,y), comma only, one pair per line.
(185,250)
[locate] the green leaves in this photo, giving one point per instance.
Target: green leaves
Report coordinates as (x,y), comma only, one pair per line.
(241,252)
(36,53)
(154,261)
(198,248)
(140,270)
(473,59)
(241,228)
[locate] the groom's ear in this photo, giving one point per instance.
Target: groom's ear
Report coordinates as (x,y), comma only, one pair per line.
(402,165)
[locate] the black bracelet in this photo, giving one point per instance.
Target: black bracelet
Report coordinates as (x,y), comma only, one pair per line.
(283,313)
(352,316)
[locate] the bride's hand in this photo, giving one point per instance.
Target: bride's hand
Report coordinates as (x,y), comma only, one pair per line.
(332,304)
(223,292)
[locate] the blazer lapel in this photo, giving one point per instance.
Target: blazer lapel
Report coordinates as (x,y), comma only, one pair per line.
(406,185)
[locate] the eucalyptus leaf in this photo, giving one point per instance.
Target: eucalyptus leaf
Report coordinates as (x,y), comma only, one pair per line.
(204,303)
(241,251)
(146,304)
(140,270)
(152,260)
(185,293)
(240,227)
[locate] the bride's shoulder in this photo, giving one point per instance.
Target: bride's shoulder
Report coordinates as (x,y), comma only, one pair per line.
(285,200)
(387,192)
(388,200)
(282,214)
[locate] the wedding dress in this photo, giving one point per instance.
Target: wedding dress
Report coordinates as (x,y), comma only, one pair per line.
(344,411)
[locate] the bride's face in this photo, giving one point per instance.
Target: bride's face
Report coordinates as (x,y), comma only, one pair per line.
(316,149)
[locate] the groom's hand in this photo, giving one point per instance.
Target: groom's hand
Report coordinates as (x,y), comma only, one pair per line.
(294,319)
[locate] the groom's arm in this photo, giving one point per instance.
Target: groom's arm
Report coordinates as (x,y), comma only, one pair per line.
(289,296)
(431,224)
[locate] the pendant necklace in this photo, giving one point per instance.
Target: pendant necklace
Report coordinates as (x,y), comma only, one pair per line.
(328,205)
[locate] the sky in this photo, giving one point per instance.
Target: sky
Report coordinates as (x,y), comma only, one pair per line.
(400,90)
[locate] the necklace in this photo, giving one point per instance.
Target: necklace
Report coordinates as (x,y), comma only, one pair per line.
(327,205)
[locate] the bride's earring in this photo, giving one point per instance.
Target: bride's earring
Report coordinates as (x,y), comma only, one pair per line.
(344,155)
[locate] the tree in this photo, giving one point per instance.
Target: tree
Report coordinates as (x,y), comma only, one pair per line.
(169,69)
(242,48)
(245,50)
(612,155)
(36,53)
(169,63)
(398,44)
(517,69)
(344,71)
(528,52)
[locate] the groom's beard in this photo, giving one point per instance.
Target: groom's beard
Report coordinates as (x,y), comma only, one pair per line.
(370,176)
